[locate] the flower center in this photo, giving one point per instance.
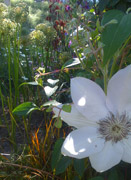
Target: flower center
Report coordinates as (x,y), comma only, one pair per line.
(115,128)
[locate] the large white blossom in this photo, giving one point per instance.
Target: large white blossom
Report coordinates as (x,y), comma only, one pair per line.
(103,122)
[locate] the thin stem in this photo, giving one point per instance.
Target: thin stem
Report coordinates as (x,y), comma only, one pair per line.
(113,66)
(2,102)
(9,71)
(125,44)
(82,64)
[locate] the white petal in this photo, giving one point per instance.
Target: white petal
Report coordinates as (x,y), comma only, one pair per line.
(127,150)
(82,142)
(88,98)
(119,90)
(74,118)
(107,158)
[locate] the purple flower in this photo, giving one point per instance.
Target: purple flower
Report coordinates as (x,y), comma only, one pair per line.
(67,8)
(70,42)
(66,33)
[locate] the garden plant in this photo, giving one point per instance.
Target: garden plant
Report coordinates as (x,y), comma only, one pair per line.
(65,90)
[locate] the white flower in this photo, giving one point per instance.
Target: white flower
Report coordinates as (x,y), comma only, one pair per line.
(75,32)
(103,122)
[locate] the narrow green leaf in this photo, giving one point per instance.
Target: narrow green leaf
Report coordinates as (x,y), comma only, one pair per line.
(71,62)
(34,83)
(66,108)
(25,108)
(56,155)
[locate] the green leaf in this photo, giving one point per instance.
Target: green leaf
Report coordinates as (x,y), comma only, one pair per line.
(114,35)
(112,14)
(58,122)
(102,4)
(53,103)
(49,91)
(71,62)
(79,166)
(76,178)
(113,2)
(52,81)
(62,165)
(113,175)
(56,155)
(86,51)
(97,178)
(25,108)
(66,108)
(49,109)
(34,83)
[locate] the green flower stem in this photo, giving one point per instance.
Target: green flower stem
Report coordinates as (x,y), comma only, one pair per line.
(115,57)
(125,44)
(9,70)
(113,66)
(2,102)
(82,64)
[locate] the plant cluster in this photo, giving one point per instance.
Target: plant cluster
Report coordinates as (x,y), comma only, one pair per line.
(52,56)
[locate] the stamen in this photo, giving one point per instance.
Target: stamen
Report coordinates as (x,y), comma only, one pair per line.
(115,128)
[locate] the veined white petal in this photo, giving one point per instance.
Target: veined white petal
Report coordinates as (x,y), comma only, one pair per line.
(119,90)
(82,143)
(89,98)
(110,155)
(128,111)
(74,118)
(127,150)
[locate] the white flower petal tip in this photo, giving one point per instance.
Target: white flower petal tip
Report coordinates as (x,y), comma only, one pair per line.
(127,150)
(110,156)
(119,91)
(82,143)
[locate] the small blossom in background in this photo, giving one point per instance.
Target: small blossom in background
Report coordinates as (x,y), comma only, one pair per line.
(70,42)
(103,122)
(67,8)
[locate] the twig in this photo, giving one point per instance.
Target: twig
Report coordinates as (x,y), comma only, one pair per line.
(33,169)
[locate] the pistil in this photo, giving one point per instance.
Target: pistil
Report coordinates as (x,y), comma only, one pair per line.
(115,128)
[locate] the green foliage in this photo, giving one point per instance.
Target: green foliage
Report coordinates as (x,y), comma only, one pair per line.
(59,162)
(114,4)
(62,165)
(56,155)
(114,35)
(71,63)
(25,108)
(79,166)
(36,50)
(66,108)
(58,122)
(97,178)
(113,175)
